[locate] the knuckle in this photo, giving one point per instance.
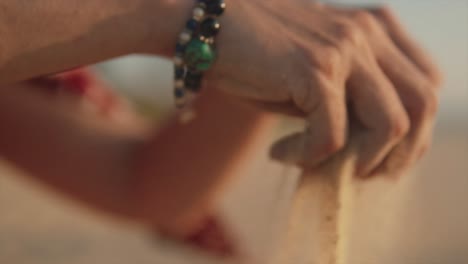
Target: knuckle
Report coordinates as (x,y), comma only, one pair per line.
(332,55)
(334,143)
(436,76)
(348,32)
(366,20)
(424,105)
(385,12)
(302,92)
(424,149)
(396,127)
(335,128)
(330,60)
(302,98)
(431,104)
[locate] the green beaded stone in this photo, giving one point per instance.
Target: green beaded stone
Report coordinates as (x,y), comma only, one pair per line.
(199,55)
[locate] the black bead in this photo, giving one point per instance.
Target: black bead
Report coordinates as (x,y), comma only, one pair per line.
(179,93)
(179,73)
(180,48)
(209,27)
(205,1)
(192,24)
(193,81)
(215,7)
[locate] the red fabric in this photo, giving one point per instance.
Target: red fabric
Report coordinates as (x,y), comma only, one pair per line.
(212,237)
(80,83)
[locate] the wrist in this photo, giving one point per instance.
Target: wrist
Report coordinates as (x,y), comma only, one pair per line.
(166,19)
(194,50)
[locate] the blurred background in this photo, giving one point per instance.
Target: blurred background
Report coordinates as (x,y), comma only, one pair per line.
(36,227)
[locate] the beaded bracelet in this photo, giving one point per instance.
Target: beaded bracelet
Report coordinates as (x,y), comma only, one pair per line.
(195,49)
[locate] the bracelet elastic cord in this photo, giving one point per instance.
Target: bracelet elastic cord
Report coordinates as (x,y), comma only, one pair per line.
(195,49)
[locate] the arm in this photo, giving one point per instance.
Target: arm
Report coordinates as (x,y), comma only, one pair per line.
(159,177)
(45,36)
(337,63)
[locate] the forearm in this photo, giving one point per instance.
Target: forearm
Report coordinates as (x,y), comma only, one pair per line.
(45,36)
(153,178)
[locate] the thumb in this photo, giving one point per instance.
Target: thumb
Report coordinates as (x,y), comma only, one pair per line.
(290,149)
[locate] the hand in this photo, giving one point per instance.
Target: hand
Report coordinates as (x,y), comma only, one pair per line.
(73,134)
(352,73)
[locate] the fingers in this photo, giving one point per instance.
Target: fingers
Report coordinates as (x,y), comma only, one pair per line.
(400,37)
(419,98)
(382,117)
(386,89)
(327,131)
(414,78)
(408,46)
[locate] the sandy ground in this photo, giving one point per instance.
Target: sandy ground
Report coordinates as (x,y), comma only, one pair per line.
(421,220)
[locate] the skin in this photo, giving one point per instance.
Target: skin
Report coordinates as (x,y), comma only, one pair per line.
(167,178)
(354,75)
